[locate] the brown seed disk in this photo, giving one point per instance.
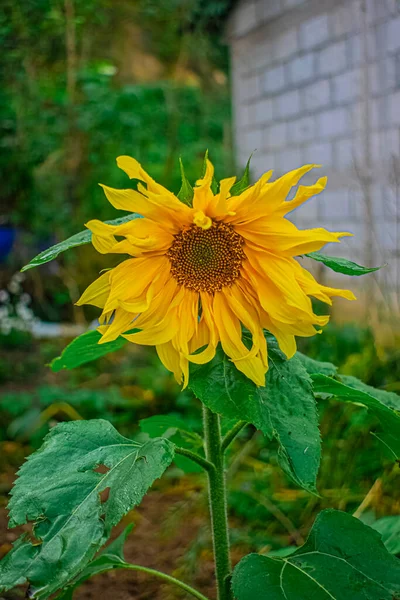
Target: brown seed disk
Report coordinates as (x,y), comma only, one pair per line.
(206,260)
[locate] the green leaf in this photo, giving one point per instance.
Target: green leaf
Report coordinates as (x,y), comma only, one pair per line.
(315,366)
(244,182)
(389,419)
(283,552)
(84,349)
(342,265)
(390,399)
(110,558)
(389,528)
(342,559)
(74,489)
(284,409)
(204,167)
(186,192)
(174,428)
(79,239)
(167,426)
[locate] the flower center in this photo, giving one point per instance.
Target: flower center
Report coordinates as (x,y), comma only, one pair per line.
(206,260)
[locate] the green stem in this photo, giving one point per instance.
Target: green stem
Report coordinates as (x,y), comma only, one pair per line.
(232,433)
(205,464)
(218,505)
(167,578)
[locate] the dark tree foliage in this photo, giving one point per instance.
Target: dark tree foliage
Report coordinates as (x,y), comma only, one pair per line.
(86,81)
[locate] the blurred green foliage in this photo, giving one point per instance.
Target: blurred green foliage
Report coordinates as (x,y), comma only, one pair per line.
(84,82)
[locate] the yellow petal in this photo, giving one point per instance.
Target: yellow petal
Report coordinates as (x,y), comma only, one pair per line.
(229,329)
(132,278)
(303,193)
(159,305)
(170,358)
(218,207)
(163,331)
(203,194)
(280,271)
(281,236)
(166,211)
(269,197)
(134,170)
(142,235)
(188,316)
(248,316)
(123,321)
(285,339)
(97,292)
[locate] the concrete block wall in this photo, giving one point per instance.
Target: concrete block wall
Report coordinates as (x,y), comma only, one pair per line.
(319,81)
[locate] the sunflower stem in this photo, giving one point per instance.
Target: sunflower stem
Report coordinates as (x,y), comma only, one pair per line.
(218,504)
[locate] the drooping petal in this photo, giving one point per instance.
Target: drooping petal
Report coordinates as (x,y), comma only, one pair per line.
(202,193)
(239,205)
(142,235)
(315,289)
(206,333)
(230,333)
(279,271)
(159,305)
(188,312)
(135,281)
(201,338)
(218,208)
(123,321)
(97,292)
(303,194)
(171,359)
(134,170)
(169,212)
(164,330)
(248,316)
(283,237)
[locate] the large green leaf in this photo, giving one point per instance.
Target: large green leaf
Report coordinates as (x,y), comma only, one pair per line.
(84,349)
(316,366)
(389,528)
(284,409)
(389,418)
(341,265)
(79,239)
(175,429)
(74,489)
(390,399)
(342,559)
(108,559)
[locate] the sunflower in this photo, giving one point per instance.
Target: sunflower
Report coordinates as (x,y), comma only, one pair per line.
(198,274)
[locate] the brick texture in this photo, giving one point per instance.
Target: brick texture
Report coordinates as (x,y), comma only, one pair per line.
(311,85)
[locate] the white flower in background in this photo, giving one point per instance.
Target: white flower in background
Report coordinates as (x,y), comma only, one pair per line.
(14,287)
(15,313)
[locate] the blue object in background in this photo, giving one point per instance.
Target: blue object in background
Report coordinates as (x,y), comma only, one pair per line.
(7,238)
